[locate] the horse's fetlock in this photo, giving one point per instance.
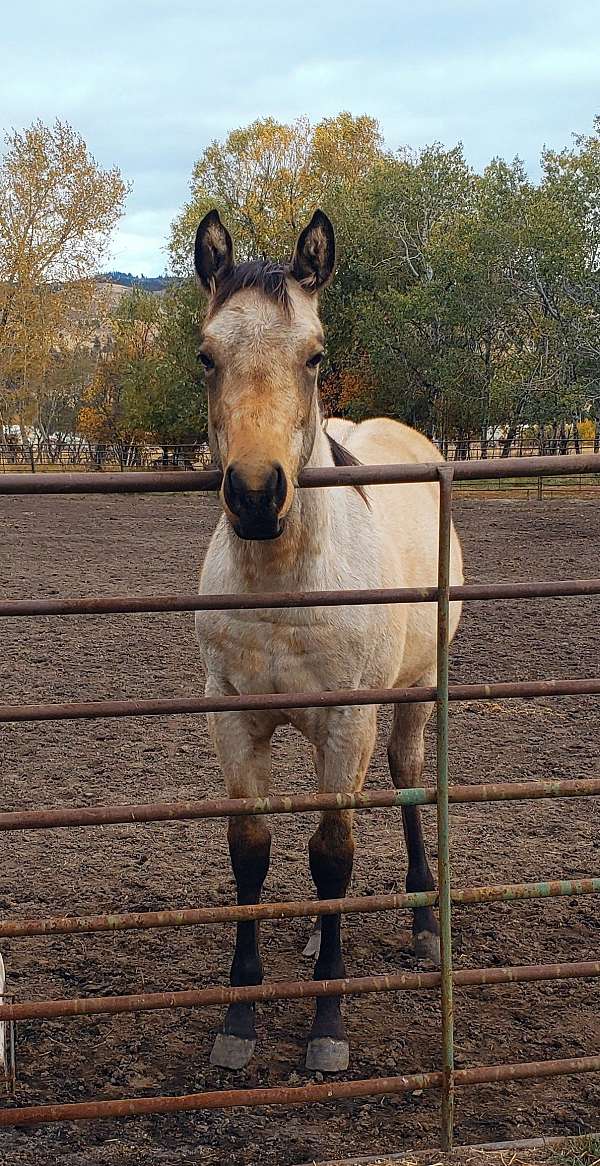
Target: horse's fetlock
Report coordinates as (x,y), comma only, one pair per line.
(246,969)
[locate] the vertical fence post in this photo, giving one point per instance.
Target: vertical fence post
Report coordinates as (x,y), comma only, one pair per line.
(443,639)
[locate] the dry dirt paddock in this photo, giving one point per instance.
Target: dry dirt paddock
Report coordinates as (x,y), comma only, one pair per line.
(103,545)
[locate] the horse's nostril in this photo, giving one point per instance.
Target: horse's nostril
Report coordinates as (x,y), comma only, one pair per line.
(233,485)
(279,484)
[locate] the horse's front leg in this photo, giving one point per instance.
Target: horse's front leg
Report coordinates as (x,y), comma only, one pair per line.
(341,767)
(243,744)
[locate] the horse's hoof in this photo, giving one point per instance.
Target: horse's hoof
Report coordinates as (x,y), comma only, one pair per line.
(326,1055)
(231,1052)
(427,947)
(313,946)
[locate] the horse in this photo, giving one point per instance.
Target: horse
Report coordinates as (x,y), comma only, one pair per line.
(261,345)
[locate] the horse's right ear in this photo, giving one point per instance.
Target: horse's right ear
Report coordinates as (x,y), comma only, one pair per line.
(213,251)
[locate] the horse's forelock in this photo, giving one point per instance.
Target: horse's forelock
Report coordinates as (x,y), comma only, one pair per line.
(258,274)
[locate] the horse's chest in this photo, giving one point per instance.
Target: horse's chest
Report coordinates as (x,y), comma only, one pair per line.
(254,655)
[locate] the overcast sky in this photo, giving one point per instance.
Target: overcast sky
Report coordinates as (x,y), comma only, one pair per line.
(148,83)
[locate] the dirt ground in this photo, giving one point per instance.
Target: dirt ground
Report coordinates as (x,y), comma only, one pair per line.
(103,545)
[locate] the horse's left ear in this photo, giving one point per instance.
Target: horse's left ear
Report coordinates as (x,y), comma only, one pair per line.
(313,260)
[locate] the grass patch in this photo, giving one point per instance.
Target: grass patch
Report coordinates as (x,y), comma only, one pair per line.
(583,1152)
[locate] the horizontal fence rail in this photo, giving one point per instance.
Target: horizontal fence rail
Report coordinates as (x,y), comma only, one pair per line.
(448,897)
(298,804)
(295,990)
(176,482)
(300,909)
(128,605)
(162,706)
(296,1095)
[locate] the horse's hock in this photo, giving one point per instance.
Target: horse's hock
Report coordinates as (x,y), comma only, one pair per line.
(447,1077)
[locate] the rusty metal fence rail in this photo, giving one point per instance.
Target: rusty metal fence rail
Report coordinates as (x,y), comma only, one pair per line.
(448,1077)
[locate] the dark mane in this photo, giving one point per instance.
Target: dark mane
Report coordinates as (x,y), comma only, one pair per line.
(342,457)
(261,274)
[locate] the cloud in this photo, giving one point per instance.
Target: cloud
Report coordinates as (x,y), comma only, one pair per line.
(149,83)
(139,245)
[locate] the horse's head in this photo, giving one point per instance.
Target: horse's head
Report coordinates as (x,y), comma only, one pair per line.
(262,343)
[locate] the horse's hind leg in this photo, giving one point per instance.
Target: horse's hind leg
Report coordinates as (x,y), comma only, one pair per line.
(313,946)
(246,762)
(406,756)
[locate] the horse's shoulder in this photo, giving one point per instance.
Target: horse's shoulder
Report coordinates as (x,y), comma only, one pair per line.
(380,440)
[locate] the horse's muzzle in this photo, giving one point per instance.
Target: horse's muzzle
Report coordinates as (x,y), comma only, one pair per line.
(254,513)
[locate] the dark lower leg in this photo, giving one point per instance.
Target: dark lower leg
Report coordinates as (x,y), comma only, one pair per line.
(249,847)
(331,851)
(406,755)
(419,876)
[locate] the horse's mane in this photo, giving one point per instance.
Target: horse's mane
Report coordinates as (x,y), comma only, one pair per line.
(342,457)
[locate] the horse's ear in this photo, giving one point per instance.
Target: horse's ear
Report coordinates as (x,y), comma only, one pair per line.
(313,260)
(213,251)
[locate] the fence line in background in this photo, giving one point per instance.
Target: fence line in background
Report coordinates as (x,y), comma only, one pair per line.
(42,457)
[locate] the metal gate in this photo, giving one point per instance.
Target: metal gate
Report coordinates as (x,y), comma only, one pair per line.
(447,1077)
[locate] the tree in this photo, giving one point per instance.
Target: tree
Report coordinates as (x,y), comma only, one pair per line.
(400,271)
(267,178)
(164,395)
(57,210)
(466,304)
(146,385)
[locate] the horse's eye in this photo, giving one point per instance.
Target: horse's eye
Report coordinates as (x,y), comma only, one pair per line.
(315,360)
(206,360)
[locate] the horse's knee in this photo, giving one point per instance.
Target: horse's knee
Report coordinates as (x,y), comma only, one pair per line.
(406,758)
(406,747)
(250,849)
(331,854)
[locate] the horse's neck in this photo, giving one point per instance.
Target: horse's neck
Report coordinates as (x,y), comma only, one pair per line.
(305,555)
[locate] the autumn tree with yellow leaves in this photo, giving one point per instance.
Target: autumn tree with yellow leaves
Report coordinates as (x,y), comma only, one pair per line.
(58,208)
(266,179)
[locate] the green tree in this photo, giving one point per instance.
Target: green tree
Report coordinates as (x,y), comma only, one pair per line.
(466,304)
(164,395)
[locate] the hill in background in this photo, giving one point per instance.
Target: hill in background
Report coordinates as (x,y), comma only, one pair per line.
(151,283)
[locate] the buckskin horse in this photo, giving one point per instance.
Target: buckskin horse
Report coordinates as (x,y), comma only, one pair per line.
(261,345)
